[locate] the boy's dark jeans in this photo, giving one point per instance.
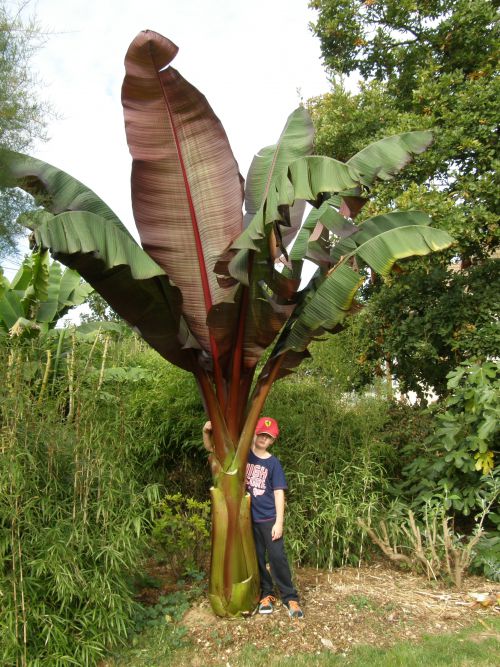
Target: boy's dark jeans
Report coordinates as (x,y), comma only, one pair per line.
(278,561)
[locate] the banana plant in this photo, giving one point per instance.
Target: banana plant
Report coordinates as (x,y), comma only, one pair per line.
(38,296)
(212,288)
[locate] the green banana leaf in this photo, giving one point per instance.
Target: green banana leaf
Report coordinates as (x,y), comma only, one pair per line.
(385,158)
(296,140)
(265,308)
(37,289)
(130,281)
(11,309)
(383,251)
(52,188)
(326,306)
(308,177)
(66,290)
(372,227)
(4,283)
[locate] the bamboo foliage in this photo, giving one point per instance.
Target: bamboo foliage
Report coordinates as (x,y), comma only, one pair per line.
(70,507)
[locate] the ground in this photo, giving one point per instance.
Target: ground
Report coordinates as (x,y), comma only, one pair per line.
(375,605)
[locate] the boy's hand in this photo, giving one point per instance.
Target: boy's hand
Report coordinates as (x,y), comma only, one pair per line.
(207,437)
(277,531)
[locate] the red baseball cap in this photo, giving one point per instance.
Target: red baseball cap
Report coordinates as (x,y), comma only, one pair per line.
(267,425)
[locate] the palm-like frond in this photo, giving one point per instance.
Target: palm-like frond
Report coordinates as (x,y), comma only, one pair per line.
(124,274)
(53,188)
(326,305)
(186,188)
(385,158)
(296,140)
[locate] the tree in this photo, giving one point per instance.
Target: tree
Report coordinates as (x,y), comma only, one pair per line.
(22,116)
(99,310)
(207,291)
(431,65)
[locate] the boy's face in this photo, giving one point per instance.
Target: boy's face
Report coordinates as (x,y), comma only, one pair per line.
(263,440)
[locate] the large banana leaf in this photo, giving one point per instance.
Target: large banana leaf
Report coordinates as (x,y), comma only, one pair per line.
(119,269)
(296,140)
(372,227)
(4,283)
(306,178)
(89,238)
(270,162)
(385,158)
(52,188)
(11,309)
(309,177)
(326,307)
(38,288)
(260,314)
(65,290)
(187,192)
(21,298)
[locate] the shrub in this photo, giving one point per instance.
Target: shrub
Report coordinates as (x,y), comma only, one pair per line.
(181,530)
(336,464)
(456,462)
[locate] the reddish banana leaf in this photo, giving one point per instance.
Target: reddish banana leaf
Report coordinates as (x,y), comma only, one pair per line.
(186,188)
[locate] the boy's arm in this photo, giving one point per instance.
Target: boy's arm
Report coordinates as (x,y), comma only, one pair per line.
(207,437)
(279,501)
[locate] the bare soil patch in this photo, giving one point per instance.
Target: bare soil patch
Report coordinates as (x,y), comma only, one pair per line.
(375,605)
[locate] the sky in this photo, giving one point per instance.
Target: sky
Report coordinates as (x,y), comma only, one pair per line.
(254,61)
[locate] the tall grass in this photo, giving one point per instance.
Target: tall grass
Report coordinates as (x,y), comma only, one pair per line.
(71,508)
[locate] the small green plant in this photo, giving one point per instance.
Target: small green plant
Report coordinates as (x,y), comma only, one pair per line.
(181,530)
(360,602)
(168,610)
(486,560)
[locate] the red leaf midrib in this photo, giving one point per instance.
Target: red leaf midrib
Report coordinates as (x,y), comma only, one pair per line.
(207,295)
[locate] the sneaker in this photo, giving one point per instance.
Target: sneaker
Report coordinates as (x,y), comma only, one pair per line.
(266,604)
(294,610)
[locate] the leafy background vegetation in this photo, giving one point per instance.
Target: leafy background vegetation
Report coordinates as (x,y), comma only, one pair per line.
(107,471)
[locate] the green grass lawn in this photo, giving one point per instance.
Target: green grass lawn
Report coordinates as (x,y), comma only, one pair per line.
(476,646)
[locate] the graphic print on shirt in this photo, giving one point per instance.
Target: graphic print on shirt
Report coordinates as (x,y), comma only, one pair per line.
(256,476)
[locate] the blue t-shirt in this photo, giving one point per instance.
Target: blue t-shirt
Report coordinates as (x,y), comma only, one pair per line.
(263,478)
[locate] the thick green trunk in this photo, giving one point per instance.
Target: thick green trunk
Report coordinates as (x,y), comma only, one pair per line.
(234,586)
(234,577)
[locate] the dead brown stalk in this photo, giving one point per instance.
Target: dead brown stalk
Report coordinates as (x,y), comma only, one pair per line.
(439,552)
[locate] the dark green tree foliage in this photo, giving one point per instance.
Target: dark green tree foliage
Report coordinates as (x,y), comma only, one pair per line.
(22,115)
(426,65)
(99,310)
(430,321)
(394,40)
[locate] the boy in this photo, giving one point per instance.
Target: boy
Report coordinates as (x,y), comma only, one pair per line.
(266,483)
